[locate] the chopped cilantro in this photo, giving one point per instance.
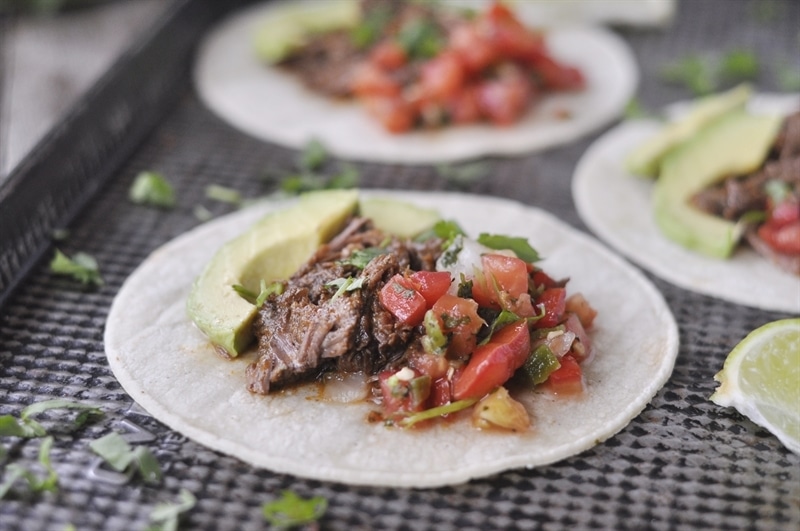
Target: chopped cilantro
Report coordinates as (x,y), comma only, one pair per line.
(420,39)
(344,284)
(694,72)
(464,287)
(292,510)
(519,246)
(265,290)
(14,472)
(739,65)
(362,257)
(462,175)
(27,427)
(634,110)
(151,188)
(202,213)
(308,182)
(165,516)
(504,318)
(313,156)
(371,27)
(122,457)
(82,267)
(224,194)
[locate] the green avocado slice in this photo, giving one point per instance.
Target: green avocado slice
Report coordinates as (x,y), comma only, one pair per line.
(646,159)
(735,144)
(272,249)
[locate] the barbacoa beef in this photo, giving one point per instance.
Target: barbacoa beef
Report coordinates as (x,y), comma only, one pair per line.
(308,330)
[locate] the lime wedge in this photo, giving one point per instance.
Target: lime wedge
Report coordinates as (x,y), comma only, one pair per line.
(761,379)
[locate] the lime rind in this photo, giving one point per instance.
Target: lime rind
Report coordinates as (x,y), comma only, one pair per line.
(761,379)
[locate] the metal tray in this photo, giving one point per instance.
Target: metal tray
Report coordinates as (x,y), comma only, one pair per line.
(683,463)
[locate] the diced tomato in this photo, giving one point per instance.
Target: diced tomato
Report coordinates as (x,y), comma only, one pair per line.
(474,51)
(394,113)
(784,239)
(567,379)
(509,37)
(441,392)
(577,304)
(555,76)
(503,100)
(404,391)
(554,301)
(404,302)
(492,364)
(441,77)
(463,106)
(543,280)
(500,273)
(430,364)
(460,321)
(369,80)
(784,213)
(431,284)
(388,55)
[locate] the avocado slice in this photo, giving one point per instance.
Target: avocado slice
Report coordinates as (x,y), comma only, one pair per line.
(290,26)
(646,159)
(272,249)
(736,144)
(398,217)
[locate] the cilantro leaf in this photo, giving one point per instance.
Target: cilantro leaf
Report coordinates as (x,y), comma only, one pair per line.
(739,65)
(519,246)
(634,110)
(504,318)
(121,456)
(14,473)
(362,257)
(224,194)
(462,175)
(420,39)
(265,290)
(82,267)
(27,427)
(345,284)
(313,156)
(694,72)
(292,510)
(371,27)
(150,188)
(166,515)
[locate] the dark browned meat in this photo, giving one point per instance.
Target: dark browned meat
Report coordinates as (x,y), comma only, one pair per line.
(739,194)
(306,330)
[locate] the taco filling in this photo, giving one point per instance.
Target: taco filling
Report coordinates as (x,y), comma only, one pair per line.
(767,200)
(416,65)
(435,324)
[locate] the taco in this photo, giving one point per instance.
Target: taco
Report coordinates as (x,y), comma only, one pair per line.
(170,368)
(272,102)
(656,224)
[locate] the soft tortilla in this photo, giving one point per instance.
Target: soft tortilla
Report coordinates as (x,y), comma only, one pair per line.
(271,105)
(170,369)
(617,207)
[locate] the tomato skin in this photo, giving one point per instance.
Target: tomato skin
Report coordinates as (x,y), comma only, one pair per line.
(403,396)
(394,113)
(567,379)
(474,51)
(369,80)
(554,301)
(555,76)
(784,239)
(460,321)
(543,280)
(784,213)
(431,284)
(388,55)
(501,275)
(505,99)
(400,297)
(441,392)
(463,106)
(492,364)
(441,77)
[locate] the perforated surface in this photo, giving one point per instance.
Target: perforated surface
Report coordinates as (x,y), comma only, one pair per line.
(683,463)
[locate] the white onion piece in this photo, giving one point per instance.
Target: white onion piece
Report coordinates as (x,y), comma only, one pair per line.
(560,343)
(467,261)
(344,387)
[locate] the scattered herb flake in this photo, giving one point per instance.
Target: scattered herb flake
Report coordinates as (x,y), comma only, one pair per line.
(694,72)
(201,213)
(634,110)
(345,284)
(224,194)
(519,246)
(739,65)
(120,456)
(151,188)
(81,267)
(27,427)
(166,516)
(265,290)
(420,39)
(462,175)
(371,28)
(313,156)
(14,472)
(292,510)
(360,258)
(60,234)
(504,318)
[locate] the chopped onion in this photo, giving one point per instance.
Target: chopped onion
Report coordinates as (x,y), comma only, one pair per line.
(344,387)
(560,343)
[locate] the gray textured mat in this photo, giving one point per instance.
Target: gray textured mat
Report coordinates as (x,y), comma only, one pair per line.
(683,463)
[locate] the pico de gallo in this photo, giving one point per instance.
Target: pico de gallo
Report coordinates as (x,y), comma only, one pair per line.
(489,316)
(415,65)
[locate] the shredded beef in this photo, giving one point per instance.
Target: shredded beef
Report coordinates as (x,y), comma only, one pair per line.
(306,330)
